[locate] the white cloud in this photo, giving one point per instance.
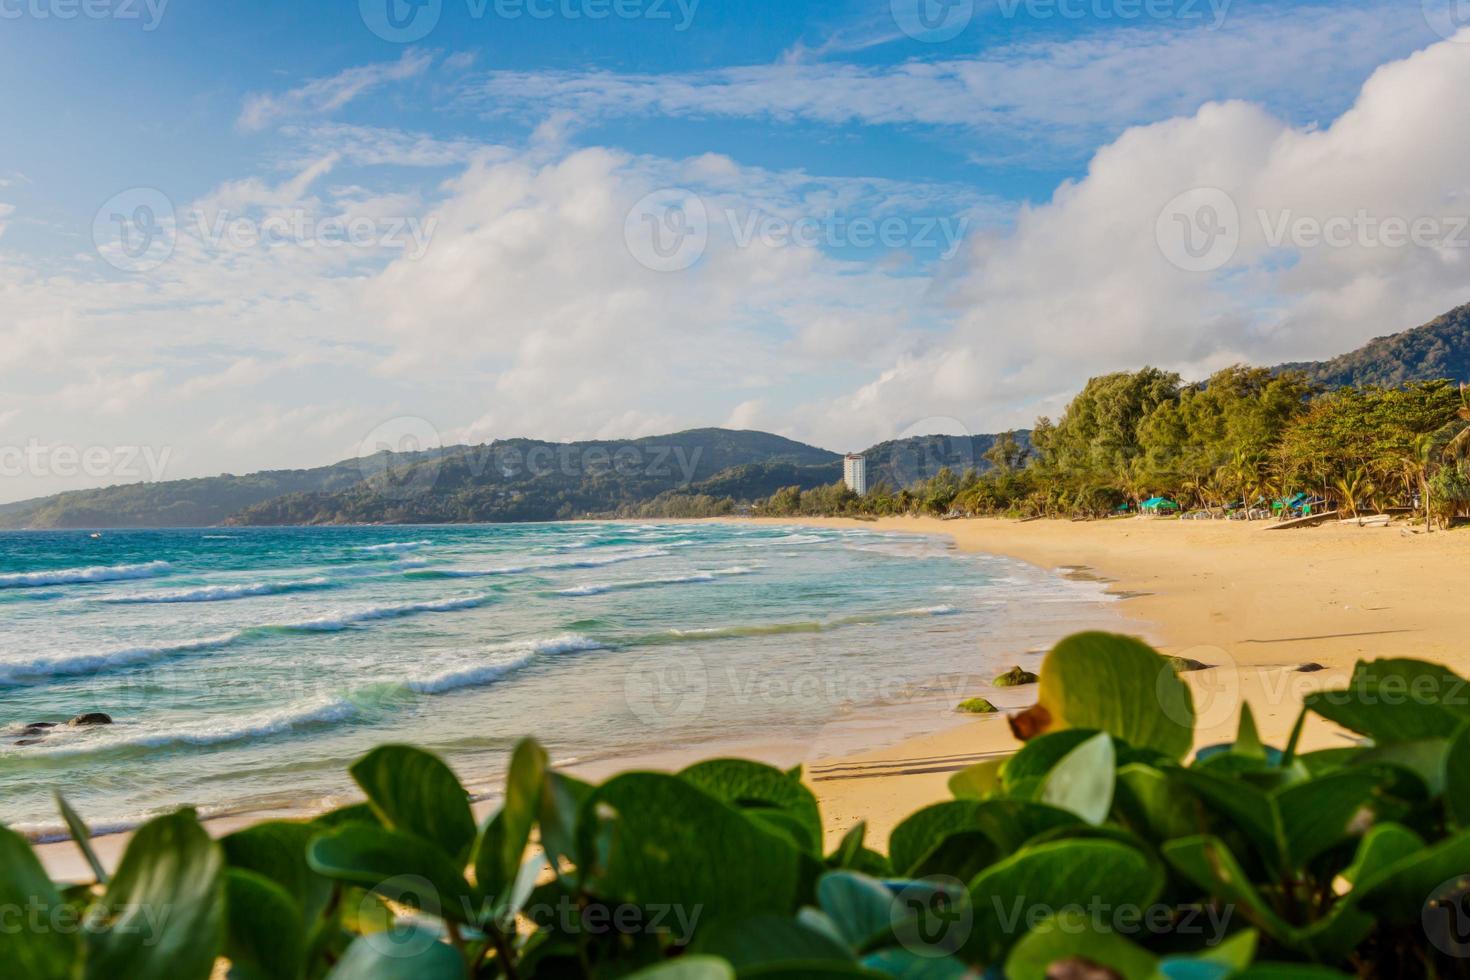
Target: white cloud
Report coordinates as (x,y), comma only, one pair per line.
(321,96)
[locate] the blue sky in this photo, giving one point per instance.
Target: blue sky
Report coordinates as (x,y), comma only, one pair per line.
(899,229)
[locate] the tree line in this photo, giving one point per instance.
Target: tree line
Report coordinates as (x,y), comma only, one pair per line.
(1233,444)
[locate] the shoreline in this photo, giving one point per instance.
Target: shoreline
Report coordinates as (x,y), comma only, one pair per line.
(1253,607)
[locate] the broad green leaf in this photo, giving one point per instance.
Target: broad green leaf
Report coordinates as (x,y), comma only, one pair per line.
(502,844)
(861,907)
(1397,700)
(809,970)
(1011,823)
(688,968)
(1082,781)
(561,801)
(850,848)
(80,836)
(1037,757)
(905,965)
(413,791)
(921,832)
(1071,933)
(1398,891)
(654,838)
(1457,778)
(1151,805)
(1317,814)
(766,939)
(404,954)
(1051,876)
(978,781)
(1234,804)
(277,850)
(961,855)
(1381,846)
(163,914)
(1207,862)
(1425,758)
(401,867)
(746,784)
(1115,684)
(265,939)
(1289,971)
(41,953)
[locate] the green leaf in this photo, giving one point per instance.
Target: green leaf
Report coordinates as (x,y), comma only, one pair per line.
(655,838)
(412,791)
(978,781)
(1397,892)
(1082,782)
(400,867)
(750,785)
(911,966)
(276,849)
(502,844)
(266,939)
(41,953)
(1115,684)
(1037,757)
(163,914)
(1381,846)
(561,801)
(1011,823)
(404,954)
(80,836)
(850,848)
(811,970)
(1317,814)
(688,968)
(765,939)
(1237,805)
(1397,700)
(1247,738)
(861,907)
(1151,805)
(1052,876)
(1206,861)
(921,832)
(1457,778)
(1425,758)
(1069,934)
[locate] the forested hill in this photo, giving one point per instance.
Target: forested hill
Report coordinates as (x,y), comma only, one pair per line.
(1438,349)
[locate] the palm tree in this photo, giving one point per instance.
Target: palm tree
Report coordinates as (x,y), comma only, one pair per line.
(1458,449)
(1353,487)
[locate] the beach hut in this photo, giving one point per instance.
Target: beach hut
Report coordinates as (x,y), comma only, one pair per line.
(1158,505)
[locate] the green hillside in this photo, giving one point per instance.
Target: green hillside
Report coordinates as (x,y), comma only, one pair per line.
(1438,349)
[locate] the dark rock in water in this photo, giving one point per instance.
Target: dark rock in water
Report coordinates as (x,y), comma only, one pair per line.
(40,724)
(27,741)
(91,718)
(1015,677)
(1310,668)
(1186,664)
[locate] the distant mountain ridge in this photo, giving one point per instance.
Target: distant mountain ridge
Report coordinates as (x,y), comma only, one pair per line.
(1438,349)
(527,479)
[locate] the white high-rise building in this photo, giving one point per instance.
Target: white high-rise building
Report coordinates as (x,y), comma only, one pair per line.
(855,473)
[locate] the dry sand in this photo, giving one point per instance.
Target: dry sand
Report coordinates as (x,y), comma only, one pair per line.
(1256,604)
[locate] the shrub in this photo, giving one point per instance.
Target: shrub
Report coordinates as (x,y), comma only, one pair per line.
(1094,850)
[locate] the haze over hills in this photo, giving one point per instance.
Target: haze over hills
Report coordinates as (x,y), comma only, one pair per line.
(528,480)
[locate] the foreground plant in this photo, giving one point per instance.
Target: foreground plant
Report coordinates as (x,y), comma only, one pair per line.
(1093,851)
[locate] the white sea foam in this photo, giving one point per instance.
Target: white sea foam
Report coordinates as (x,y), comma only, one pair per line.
(340,621)
(515,656)
(394,546)
(76,576)
(223,593)
(43,668)
(649,583)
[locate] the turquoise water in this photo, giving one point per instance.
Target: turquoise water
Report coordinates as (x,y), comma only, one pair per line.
(246,668)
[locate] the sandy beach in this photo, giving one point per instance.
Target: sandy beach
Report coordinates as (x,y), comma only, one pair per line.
(1255,604)
(1252,603)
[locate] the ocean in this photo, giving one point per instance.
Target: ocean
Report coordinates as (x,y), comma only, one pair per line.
(246,668)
